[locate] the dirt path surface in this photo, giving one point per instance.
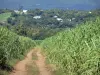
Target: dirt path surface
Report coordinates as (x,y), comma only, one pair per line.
(41,64)
(20,67)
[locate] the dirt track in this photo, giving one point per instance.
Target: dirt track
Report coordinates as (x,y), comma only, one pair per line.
(41,64)
(20,67)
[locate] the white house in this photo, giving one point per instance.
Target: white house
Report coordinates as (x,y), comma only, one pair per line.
(90,12)
(55,16)
(59,19)
(37,17)
(25,11)
(20,12)
(16,11)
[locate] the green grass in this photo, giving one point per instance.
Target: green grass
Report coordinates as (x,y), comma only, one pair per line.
(4,16)
(75,51)
(32,69)
(2,72)
(12,47)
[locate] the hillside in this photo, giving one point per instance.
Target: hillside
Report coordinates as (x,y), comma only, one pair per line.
(12,48)
(75,51)
(39,24)
(63,42)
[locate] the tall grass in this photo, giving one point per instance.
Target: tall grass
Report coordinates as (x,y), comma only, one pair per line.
(12,46)
(75,51)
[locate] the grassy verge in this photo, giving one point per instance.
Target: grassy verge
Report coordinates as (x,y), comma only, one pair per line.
(75,51)
(12,48)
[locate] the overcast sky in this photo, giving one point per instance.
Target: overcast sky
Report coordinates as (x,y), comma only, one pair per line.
(45,4)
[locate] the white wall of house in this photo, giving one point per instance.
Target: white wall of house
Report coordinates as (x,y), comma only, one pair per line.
(16,11)
(55,16)
(59,19)
(25,11)
(37,17)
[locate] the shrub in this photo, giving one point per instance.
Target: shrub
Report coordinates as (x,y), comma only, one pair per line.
(12,46)
(76,51)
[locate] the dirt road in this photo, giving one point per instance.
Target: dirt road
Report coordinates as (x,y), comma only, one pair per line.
(21,69)
(41,64)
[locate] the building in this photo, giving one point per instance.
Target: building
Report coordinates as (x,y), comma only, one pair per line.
(20,12)
(55,16)
(90,12)
(59,19)
(37,17)
(25,11)
(16,11)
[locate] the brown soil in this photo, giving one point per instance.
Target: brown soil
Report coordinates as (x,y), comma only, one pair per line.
(41,64)
(20,67)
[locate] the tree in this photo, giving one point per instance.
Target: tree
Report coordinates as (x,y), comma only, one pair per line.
(13,14)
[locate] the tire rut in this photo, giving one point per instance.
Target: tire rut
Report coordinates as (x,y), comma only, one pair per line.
(41,64)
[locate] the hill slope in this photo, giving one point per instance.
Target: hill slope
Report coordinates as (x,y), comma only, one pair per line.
(75,51)
(12,46)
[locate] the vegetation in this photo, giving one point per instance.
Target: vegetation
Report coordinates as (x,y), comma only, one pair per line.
(12,46)
(47,25)
(4,16)
(75,51)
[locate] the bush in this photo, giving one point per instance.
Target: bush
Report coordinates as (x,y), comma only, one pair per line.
(12,46)
(76,51)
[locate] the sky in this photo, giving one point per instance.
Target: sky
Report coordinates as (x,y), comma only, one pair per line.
(48,4)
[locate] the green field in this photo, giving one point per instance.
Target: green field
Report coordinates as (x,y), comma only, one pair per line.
(75,51)
(4,16)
